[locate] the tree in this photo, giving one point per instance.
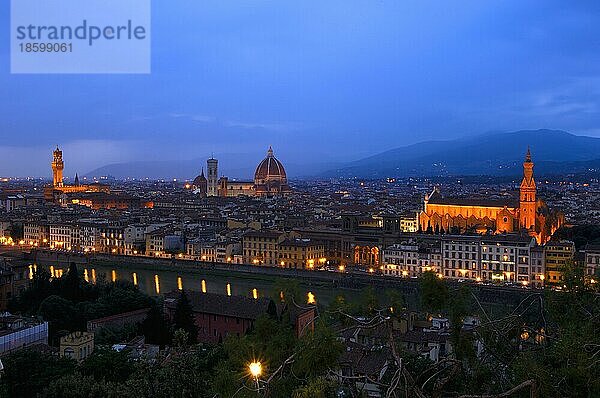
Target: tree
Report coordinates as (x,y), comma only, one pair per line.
(71,284)
(434,292)
(62,315)
(184,317)
(106,364)
(155,327)
(28,372)
(76,386)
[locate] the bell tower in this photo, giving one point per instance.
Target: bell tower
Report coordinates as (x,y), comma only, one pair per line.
(57,168)
(527,200)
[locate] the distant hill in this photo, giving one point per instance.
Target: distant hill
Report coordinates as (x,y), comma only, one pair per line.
(238,166)
(497,154)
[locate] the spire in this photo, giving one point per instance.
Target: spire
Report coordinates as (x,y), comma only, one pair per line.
(528,156)
(270,151)
(202,173)
(76,179)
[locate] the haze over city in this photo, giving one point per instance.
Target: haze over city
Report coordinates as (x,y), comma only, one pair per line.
(323,82)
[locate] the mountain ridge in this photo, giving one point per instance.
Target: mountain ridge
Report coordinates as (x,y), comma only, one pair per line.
(487,154)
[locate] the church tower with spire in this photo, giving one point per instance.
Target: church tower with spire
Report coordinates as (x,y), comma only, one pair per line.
(527,200)
(57,168)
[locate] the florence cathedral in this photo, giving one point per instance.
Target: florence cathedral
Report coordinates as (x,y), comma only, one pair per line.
(270,179)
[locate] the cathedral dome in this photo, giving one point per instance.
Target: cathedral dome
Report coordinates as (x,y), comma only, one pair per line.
(270,178)
(269,170)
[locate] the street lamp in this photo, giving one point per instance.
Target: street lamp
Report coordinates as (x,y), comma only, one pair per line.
(255,369)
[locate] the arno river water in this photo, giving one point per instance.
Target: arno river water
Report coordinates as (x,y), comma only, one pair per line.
(159,281)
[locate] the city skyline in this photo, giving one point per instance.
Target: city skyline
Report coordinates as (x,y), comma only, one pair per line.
(357,77)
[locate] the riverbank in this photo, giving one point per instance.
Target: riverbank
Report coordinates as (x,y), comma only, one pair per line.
(267,276)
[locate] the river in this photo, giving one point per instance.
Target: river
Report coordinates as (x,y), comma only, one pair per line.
(159,281)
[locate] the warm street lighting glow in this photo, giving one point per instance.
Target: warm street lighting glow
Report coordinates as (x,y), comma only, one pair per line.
(311,298)
(255,369)
(114,275)
(229,289)
(342,268)
(135,281)
(156,284)
(254,293)
(203,284)
(179,283)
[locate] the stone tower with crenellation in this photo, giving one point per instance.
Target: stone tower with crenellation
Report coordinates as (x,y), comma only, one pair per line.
(57,168)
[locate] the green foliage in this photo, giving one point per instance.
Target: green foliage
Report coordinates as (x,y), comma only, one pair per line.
(114,335)
(68,303)
(581,235)
(106,364)
(155,327)
(568,363)
(184,318)
(319,387)
(317,352)
(28,372)
(434,293)
(289,289)
(368,302)
(77,386)
(62,317)
(395,301)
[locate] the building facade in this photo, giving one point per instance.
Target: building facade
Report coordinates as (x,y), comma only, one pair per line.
(528,213)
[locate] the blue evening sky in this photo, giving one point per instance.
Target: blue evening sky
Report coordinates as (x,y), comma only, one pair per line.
(323,80)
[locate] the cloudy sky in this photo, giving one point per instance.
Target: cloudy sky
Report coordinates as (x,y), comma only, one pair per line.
(322,80)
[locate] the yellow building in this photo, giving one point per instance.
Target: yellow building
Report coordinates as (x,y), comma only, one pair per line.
(260,247)
(301,253)
(77,345)
(556,256)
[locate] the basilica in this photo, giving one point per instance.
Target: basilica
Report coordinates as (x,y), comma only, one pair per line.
(270,180)
(527,213)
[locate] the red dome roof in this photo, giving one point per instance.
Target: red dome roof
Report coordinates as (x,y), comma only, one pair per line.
(270,169)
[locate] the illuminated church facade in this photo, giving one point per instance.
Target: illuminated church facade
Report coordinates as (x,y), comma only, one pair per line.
(270,179)
(528,214)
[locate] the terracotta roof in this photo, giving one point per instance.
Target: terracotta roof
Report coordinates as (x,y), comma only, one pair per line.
(219,304)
